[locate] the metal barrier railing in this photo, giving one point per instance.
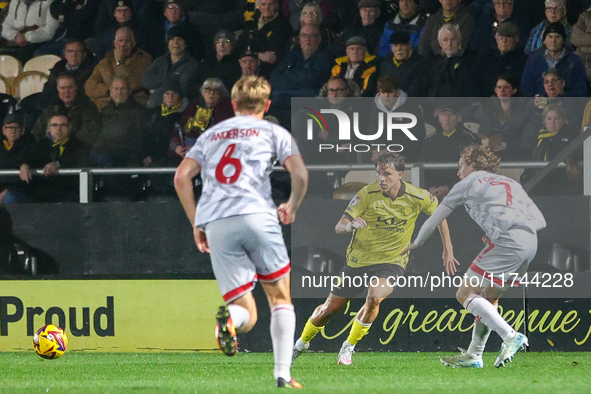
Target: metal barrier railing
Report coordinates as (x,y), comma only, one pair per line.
(86,184)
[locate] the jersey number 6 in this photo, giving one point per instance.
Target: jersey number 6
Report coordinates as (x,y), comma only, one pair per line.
(228,160)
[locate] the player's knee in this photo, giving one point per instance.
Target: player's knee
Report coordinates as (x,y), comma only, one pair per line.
(461,295)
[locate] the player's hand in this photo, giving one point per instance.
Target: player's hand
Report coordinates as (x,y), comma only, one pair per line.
(485,240)
(450,262)
(200,240)
(286,216)
(358,222)
(408,249)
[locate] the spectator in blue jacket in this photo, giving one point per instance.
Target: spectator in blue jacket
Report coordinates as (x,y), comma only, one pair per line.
(554,54)
(302,71)
(408,19)
(555,12)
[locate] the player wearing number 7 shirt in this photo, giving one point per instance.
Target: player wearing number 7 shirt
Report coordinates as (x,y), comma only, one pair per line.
(510,220)
(237,222)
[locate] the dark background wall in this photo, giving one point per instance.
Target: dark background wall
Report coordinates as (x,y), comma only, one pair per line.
(134,239)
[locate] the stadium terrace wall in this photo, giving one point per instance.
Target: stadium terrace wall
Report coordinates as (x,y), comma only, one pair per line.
(146,243)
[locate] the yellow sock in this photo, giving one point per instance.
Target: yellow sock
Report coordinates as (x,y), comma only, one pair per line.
(358,331)
(310,331)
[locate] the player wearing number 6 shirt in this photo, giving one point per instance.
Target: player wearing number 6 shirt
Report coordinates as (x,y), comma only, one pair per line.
(381,218)
(510,221)
(237,221)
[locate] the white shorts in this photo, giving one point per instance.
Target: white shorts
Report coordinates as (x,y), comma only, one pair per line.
(504,261)
(246,248)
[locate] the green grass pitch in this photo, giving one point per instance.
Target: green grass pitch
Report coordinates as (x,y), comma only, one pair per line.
(318,372)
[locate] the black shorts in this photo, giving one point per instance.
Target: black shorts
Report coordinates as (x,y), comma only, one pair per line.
(352,287)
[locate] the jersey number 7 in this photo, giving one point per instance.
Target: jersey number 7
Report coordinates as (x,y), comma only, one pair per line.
(228,160)
(509,201)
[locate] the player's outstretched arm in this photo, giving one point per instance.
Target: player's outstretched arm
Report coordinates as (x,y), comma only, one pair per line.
(299,185)
(440,214)
(449,261)
(183,184)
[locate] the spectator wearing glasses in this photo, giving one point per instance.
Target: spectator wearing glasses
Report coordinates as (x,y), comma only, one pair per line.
(211,108)
(312,15)
(14,143)
(59,150)
(292,9)
(555,93)
(555,12)
(77,62)
(492,16)
(581,38)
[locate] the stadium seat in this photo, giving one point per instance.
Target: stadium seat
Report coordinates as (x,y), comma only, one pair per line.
(348,190)
(7,105)
(28,83)
(43,63)
(32,107)
(5,85)
(561,258)
(10,67)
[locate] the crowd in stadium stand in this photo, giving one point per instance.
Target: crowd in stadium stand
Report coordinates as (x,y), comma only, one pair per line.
(140,80)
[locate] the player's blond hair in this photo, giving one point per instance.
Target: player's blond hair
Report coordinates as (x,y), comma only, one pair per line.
(251,94)
(481,158)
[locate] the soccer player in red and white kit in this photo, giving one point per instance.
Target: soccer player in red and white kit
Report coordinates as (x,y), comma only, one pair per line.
(237,222)
(510,221)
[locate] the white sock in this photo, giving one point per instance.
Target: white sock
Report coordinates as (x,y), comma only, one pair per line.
(480,334)
(240,316)
(488,314)
(300,345)
(346,343)
(283,322)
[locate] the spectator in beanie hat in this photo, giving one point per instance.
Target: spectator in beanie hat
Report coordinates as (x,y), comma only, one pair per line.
(176,63)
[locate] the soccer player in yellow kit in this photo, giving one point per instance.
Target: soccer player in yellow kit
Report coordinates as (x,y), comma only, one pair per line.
(382,218)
